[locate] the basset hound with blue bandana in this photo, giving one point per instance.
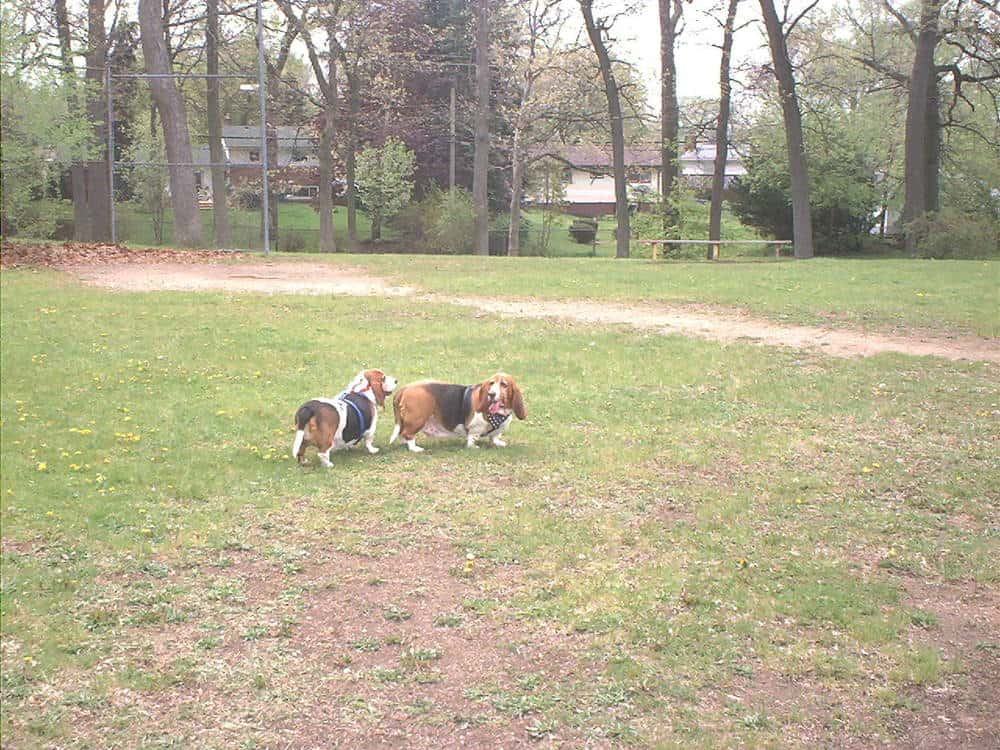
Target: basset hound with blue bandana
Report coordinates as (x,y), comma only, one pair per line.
(448,410)
(332,424)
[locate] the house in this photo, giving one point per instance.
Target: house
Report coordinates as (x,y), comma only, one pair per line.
(296,168)
(589,186)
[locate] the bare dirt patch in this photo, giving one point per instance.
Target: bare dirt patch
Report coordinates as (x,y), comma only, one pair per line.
(118,267)
(406,649)
(961,710)
(258,277)
(732,325)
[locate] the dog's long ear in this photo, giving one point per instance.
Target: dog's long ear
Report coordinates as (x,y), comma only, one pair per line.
(376,379)
(480,403)
(359,383)
(517,400)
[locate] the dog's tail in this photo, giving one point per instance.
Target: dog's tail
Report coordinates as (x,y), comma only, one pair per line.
(395,433)
(302,417)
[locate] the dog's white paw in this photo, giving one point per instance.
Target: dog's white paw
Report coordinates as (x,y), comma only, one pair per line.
(499,443)
(372,449)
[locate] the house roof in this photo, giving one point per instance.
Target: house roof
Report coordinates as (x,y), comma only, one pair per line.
(648,155)
(289,136)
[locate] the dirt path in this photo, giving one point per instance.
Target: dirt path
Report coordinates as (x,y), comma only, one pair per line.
(721,324)
(734,325)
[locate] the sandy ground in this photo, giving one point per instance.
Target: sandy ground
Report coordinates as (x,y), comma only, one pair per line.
(726,325)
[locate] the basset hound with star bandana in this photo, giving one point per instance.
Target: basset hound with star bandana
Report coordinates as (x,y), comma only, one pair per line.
(450,410)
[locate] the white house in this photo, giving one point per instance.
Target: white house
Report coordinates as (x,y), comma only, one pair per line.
(590,187)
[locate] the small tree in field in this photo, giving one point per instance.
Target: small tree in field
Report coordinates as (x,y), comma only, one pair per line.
(385,181)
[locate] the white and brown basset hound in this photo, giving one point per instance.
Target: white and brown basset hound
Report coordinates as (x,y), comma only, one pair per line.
(448,410)
(332,424)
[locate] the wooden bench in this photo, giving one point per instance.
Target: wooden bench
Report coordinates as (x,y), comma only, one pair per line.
(715,243)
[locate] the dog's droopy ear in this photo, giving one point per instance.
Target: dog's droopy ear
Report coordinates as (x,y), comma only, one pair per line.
(480,400)
(376,379)
(360,383)
(517,400)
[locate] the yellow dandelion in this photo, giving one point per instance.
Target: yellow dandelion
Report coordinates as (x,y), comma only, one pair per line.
(42,466)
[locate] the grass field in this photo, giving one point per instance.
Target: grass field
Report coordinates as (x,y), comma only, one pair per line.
(686,545)
(956,296)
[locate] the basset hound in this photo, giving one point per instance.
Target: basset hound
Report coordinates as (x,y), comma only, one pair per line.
(332,424)
(446,410)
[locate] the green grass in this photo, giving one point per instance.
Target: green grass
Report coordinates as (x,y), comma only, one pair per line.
(874,294)
(676,519)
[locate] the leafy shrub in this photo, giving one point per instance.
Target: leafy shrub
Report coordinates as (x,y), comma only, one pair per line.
(500,229)
(249,195)
(453,223)
(440,223)
(955,234)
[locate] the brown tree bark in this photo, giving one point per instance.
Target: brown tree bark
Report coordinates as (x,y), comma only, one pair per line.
(91,189)
(721,131)
(670,17)
(802,235)
(351,155)
(327,242)
(921,150)
(170,105)
(480,163)
(217,155)
(516,193)
(615,121)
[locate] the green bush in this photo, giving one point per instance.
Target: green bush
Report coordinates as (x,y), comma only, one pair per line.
(440,223)
(954,234)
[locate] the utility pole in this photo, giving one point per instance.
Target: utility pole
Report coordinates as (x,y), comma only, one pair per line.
(451,144)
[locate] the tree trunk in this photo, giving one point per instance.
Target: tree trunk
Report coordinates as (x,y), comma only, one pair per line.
(327,243)
(516,191)
(921,143)
(670,15)
(351,196)
(801,219)
(92,209)
(617,130)
(721,131)
(933,146)
(480,168)
(170,104)
(217,155)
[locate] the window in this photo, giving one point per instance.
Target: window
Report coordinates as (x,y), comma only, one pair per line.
(640,175)
(567,175)
(254,154)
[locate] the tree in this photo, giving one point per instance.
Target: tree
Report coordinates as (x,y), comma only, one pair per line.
(597,30)
(173,117)
(43,132)
(777,34)
(722,129)
(539,101)
(385,181)
(481,156)
(671,12)
(326,79)
(217,155)
(956,46)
